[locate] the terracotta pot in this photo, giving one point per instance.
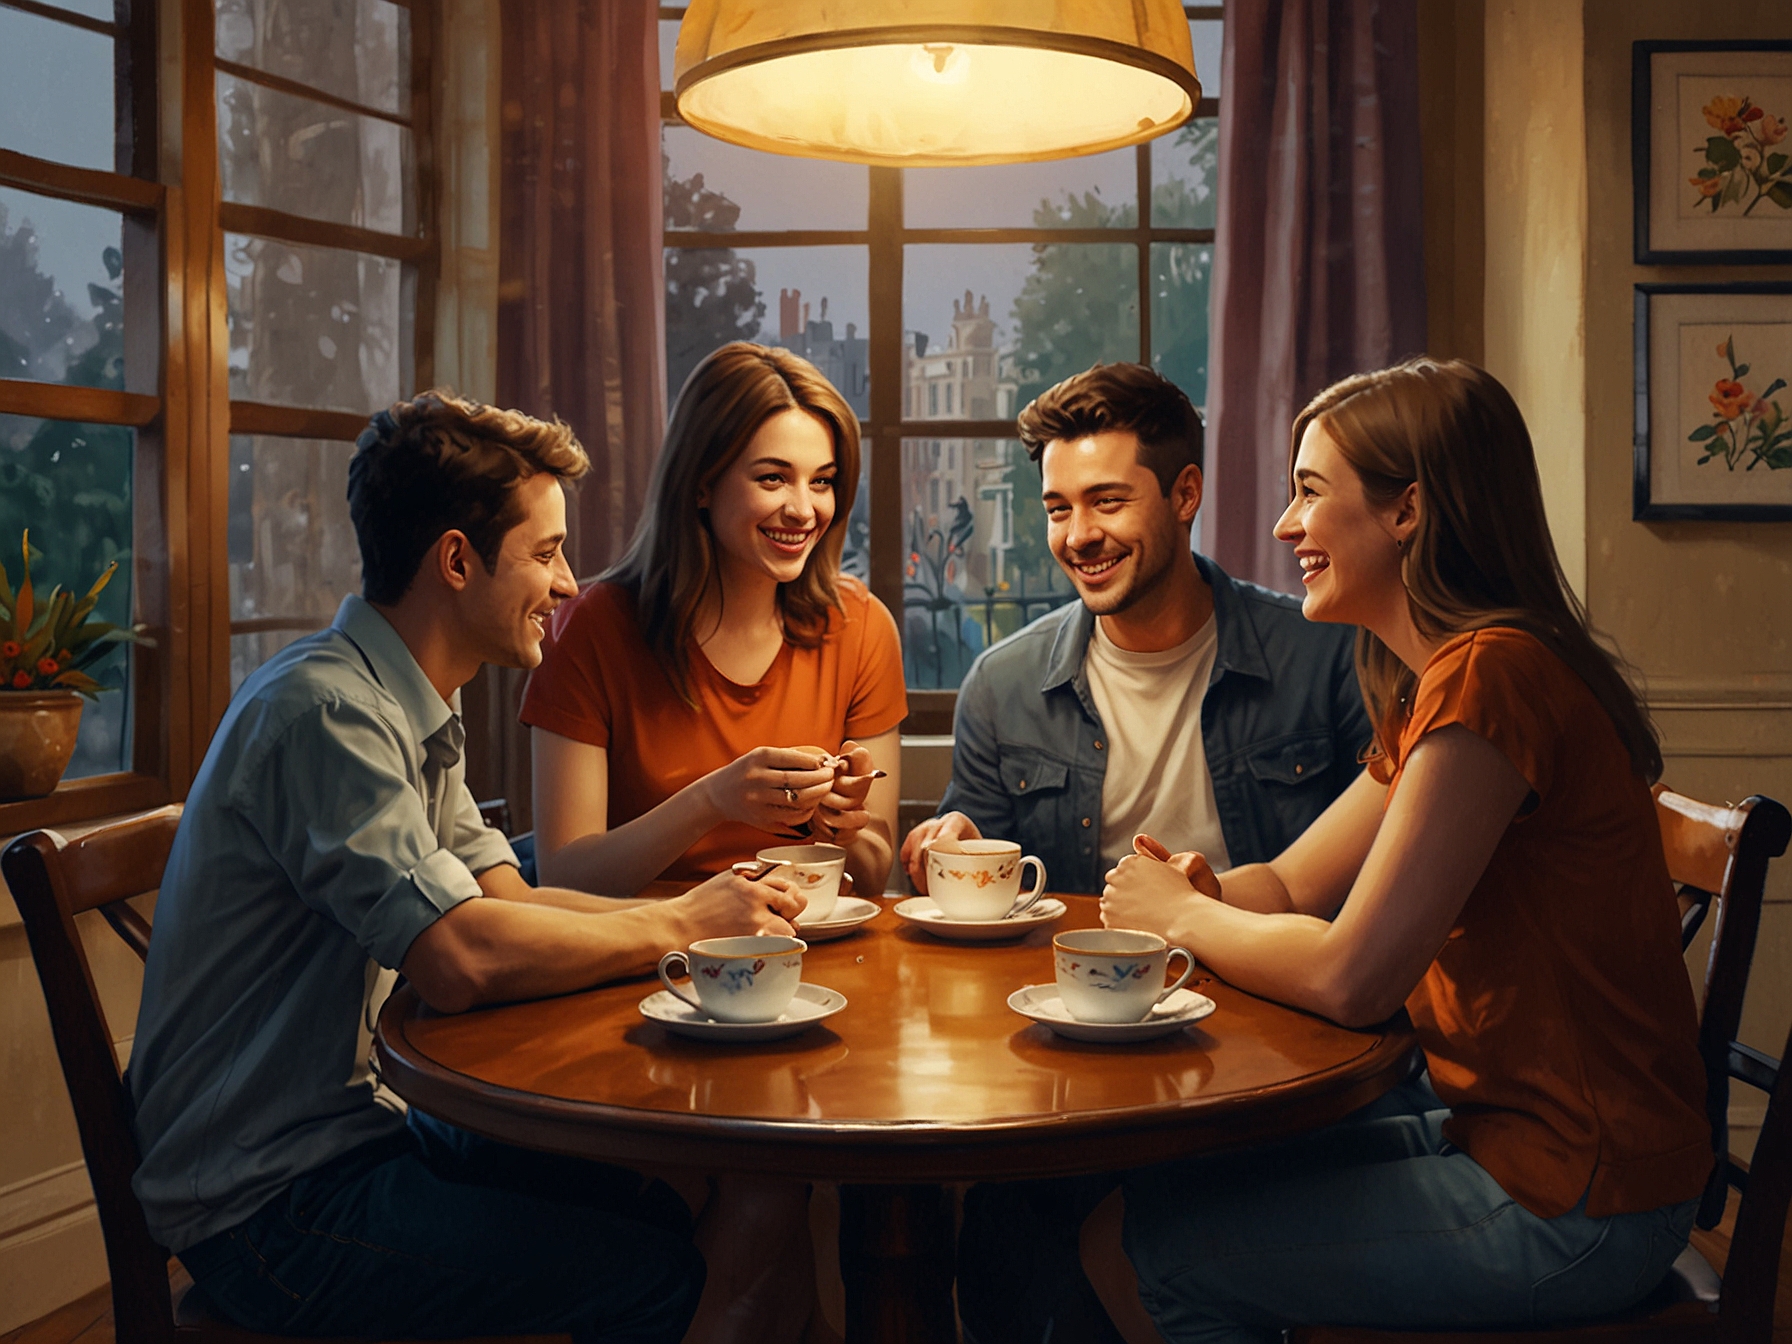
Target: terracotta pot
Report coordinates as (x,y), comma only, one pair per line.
(37,736)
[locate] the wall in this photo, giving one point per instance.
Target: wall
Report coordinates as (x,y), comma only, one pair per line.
(1704,610)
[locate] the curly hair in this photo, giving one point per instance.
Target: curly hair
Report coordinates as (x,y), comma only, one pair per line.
(440,463)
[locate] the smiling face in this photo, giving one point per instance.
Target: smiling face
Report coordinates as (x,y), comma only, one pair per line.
(771,505)
(505,612)
(1347,545)
(1108,521)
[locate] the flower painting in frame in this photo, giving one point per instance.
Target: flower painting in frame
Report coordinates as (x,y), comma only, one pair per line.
(1714,401)
(1711,128)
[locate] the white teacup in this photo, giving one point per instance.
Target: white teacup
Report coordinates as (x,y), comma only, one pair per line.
(980,879)
(815,871)
(748,979)
(1114,975)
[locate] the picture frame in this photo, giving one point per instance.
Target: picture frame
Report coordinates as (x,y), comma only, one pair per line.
(1711,154)
(1713,436)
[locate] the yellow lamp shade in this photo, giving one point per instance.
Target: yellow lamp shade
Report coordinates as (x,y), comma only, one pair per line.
(935,83)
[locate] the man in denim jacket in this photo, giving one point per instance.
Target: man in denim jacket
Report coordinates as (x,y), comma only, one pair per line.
(1172,699)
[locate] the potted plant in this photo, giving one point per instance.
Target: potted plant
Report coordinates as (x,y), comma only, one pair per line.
(46,647)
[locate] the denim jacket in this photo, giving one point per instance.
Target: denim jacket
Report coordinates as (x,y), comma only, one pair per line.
(1282,723)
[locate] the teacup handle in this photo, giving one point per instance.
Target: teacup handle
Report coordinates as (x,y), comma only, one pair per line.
(1026,900)
(1188,969)
(677,958)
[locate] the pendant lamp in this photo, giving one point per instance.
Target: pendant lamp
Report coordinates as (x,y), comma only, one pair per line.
(935,83)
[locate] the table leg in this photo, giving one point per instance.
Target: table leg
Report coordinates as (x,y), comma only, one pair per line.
(896,1260)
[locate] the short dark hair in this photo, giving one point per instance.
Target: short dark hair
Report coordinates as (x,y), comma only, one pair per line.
(1128,397)
(439,463)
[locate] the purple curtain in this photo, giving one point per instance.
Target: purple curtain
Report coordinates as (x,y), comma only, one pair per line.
(1320,243)
(581,322)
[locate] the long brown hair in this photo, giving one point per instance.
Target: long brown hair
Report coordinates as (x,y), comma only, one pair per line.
(672,561)
(1481,554)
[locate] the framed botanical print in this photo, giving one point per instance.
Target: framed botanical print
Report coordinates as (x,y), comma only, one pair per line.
(1713,402)
(1710,152)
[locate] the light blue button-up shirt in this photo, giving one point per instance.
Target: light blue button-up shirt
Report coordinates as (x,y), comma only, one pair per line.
(329,825)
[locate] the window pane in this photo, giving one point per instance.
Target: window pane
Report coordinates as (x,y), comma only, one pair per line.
(812,300)
(714,186)
(316,326)
(61,291)
(56,92)
(855,556)
(292,546)
(71,485)
(1206,35)
(1094,192)
(668,51)
(1184,173)
(976,567)
(990,326)
(356,49)
(305,158)
(1181,277)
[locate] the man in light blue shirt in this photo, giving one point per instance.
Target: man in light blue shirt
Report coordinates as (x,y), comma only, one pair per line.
(329,842)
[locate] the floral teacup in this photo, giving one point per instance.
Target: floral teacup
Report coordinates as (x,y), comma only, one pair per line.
(748,979)
(1114,975)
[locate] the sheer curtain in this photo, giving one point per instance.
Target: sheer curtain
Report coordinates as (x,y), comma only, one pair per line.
(581,325)
(1320,244)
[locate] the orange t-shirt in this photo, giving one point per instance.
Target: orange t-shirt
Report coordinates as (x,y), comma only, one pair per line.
(599,683)
(1558,1018)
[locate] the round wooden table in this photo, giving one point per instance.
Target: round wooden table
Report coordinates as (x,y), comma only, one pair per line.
(926,1077)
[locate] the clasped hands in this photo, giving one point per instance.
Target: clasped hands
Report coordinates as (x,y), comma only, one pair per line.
(790,788)
(1144,889)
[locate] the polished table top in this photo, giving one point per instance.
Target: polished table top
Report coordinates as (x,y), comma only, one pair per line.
(926,1075)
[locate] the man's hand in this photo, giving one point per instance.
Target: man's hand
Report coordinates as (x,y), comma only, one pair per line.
(728,905)
(952,826)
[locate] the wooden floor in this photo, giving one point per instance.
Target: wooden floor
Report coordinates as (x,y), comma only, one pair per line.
(89,1320)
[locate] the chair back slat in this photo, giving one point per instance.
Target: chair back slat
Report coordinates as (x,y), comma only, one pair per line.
(1697,838)
(47,876)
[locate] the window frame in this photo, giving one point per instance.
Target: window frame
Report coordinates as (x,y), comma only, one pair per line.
(150,216)
(885,237)
(167,186)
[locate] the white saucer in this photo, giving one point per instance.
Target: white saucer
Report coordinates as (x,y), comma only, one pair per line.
(923,913)
(812,1004)
(848,913)
(1042,1004)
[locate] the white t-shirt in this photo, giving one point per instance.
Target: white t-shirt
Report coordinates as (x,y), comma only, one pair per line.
(1157,779)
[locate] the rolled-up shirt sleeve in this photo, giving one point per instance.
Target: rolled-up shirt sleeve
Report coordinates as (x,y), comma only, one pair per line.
(330,796)
(477,845)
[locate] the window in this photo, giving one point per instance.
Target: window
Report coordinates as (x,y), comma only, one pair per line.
(326,238)
(82,416)
(982,285)
(204,442)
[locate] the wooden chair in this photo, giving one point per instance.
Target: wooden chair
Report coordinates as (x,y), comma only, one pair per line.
(1718,857)
(52,880)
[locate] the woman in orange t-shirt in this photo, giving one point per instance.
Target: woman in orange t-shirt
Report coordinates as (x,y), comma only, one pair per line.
(724,684)
(1497,871)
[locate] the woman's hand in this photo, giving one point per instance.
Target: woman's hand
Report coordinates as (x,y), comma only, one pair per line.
(771,788)
(842,814)
(1145,892)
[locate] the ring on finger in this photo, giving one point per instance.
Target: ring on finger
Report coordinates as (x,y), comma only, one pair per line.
(790,795)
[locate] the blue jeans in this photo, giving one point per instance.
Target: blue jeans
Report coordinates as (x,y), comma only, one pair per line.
(1376,1221)
(438,1233)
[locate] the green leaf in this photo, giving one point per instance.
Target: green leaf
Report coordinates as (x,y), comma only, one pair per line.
(1703,460)
(1780,193)
(1779,459)
(1707,173)
(1742,370)
(1775,162)
(1722,153)
(1773,387)
(1702,433)
(21,614)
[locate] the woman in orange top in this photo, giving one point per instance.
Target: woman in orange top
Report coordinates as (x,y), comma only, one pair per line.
(701,701)
(1498,871)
